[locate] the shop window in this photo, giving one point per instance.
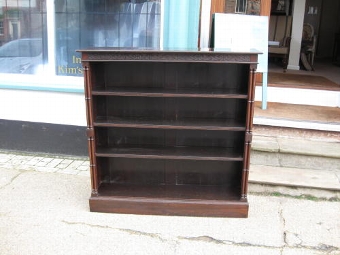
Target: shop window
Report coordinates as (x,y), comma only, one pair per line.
(23,37)
(102,23)
(28,47)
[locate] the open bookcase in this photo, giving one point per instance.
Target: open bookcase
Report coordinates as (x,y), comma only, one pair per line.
(169,131)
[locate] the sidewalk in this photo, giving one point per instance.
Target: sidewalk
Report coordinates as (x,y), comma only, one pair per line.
(44,210)
(321,184)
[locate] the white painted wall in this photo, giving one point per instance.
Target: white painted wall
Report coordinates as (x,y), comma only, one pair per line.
(43,106)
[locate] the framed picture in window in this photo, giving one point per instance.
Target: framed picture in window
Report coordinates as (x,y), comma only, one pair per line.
(280,7)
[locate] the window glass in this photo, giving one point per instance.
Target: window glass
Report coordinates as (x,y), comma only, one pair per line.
(23,36)
(77,24)
(102,23)
(249,7)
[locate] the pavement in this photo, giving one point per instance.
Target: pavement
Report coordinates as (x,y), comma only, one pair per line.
(44,210)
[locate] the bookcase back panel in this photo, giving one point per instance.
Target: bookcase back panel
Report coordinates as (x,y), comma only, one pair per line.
(171,75)
(170,108)
(140,137)
(174,172)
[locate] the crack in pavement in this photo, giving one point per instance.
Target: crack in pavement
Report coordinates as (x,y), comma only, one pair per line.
(141,233)
(209,239)
(158,236)
(279,159)
(321,247)
(283,221)
(86,224)
(11,180)
(129,231)
(299,245)
(337,176)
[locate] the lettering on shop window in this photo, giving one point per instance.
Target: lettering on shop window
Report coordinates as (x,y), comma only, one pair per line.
(75,69)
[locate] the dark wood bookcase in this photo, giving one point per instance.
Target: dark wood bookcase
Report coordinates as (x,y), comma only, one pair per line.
(169,131)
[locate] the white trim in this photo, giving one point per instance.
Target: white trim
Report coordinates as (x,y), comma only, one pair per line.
(205,23)
(51,37)
(292,67)
(296,124)
(300,96)
(161,41)
(43,82)
(43,107)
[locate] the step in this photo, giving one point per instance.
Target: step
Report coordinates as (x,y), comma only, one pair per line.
(294,181)
(295,152)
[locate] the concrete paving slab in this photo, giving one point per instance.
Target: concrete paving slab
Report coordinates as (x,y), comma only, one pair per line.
(301,251)
(264,143)
(312,225)
(4,157)
(283,190)
(294,177)
(308,147)
(265,158)
(309,162)
(294,152)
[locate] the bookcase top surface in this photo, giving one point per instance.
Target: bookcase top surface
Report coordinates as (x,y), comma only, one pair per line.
(170,50)
(169,55)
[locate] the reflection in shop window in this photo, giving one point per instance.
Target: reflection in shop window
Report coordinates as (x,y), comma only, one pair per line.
(78,24)
(102,23)
(23,36)
(1,27)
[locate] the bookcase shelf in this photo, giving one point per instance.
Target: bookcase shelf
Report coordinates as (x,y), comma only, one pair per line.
(169,131)
(151,92)
(189,124)
(193,153)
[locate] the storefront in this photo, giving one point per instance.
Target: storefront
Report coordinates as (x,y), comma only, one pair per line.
(41,83)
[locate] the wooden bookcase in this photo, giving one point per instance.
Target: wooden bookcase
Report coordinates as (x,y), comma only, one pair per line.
(169,132)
